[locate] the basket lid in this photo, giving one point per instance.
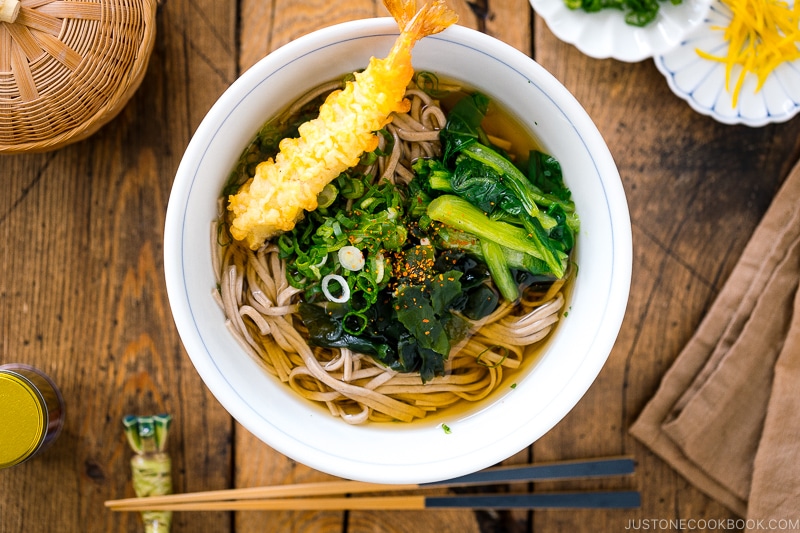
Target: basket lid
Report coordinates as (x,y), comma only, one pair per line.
(67,67)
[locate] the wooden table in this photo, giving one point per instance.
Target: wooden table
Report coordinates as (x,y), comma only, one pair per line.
(83,297)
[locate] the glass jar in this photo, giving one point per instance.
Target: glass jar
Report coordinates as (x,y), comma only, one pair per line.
(31,413)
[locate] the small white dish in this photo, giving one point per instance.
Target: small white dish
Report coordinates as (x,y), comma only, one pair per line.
(605,34)
(701,82)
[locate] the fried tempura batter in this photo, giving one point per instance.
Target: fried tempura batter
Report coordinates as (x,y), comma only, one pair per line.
(283,188)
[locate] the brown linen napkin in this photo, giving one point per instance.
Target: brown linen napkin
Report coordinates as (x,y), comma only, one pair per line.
(725,415)
(777,463)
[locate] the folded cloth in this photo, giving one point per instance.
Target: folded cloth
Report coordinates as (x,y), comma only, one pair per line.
(777,465)
(726,415)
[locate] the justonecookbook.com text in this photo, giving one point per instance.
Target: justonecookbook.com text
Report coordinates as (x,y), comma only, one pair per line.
(722,524)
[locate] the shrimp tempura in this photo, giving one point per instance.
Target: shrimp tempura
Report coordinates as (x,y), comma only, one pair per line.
(283,188)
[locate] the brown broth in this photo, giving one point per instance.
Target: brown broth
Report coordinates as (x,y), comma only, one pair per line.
(499,123)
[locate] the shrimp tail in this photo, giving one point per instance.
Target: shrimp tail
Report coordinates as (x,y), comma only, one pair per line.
(431,19)
(416,24)
(402,11)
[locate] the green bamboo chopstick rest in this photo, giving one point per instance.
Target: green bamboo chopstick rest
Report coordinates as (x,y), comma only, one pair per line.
(151,465)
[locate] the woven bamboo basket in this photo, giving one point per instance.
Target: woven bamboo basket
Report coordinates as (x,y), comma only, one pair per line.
(67,67)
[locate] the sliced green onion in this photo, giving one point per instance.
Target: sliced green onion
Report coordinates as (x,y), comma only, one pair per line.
(286,244)
(365,205)
(328,194)
(345,288)
(357,319)
(379,266)
(368,286)
(351,258)
(353,189)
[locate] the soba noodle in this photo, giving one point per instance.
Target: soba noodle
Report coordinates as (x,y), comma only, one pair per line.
(262,313)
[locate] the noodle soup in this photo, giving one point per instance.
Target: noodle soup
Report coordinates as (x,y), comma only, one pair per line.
(381,304)
(484,432)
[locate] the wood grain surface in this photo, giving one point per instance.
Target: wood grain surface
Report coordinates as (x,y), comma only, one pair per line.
(83,296)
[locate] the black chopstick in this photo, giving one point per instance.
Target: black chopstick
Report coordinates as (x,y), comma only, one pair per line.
(543,500)
(585,468)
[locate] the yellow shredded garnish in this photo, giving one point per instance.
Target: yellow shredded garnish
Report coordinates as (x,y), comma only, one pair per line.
(761,35)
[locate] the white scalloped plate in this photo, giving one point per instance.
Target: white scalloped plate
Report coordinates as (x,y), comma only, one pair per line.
(701,82)
(605,34)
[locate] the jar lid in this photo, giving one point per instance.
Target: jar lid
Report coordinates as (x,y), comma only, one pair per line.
(23,419)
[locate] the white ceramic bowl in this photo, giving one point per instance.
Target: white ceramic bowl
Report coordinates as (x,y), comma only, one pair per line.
(418,452)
